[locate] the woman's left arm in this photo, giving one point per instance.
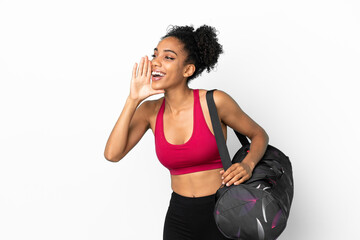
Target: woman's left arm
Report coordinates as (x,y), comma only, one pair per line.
(233,116)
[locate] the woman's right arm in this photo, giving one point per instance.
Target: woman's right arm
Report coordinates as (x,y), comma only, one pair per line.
(133,121)
(128,130)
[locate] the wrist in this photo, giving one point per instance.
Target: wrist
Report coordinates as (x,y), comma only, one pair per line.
(133,101)
(249,162)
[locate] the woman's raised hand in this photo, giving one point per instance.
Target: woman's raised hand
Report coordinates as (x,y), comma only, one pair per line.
(140,87)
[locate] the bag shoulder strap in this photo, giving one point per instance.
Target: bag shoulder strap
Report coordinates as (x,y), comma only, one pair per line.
(219,136)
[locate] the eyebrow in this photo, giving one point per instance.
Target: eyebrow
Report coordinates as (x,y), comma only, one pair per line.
(166,50)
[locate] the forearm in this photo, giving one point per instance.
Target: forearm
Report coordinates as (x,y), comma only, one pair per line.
(118,138)
(257,149)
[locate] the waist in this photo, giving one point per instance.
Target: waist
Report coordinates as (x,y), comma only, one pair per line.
(192,201)
(197,184)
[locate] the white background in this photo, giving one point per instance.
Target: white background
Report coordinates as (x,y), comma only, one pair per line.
(65,69)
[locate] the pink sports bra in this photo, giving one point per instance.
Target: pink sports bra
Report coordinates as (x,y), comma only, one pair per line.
(199,153)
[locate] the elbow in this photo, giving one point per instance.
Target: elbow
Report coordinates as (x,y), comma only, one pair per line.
(266,136)
(261,136)
(112,157)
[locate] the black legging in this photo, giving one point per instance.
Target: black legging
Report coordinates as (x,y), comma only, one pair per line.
(191,219)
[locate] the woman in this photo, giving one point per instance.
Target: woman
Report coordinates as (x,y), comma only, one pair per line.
(184,137)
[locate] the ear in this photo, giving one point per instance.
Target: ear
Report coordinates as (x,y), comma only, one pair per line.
(189,70)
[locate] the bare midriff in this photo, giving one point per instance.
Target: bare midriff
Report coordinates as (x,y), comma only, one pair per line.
(197,184)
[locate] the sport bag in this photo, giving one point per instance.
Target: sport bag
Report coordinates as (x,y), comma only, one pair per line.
(257,209)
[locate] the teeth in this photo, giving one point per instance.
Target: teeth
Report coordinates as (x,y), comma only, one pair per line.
(158,73)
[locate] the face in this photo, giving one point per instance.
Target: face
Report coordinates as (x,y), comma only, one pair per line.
(168,64)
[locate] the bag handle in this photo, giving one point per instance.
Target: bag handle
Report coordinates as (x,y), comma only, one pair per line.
(219,136)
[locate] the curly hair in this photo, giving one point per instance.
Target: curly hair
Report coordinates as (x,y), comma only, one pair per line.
(201,46)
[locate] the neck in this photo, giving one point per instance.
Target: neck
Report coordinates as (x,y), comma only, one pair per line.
(178,99)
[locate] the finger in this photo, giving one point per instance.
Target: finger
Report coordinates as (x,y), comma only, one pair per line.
(141,67)
(243,179)
(230,176)
(149,71)
(229,170)
(240,181)
(226,173)
(145,66)
(134,71)
(233,180)
(235,172)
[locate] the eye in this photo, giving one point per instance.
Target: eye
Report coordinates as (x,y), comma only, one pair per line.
(167,57)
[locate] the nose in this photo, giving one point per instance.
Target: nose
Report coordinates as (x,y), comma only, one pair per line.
(155,62)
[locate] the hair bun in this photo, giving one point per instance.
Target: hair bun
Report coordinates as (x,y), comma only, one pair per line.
(209,48)
(201,45)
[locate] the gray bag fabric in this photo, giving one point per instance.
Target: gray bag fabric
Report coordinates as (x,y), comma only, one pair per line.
(257,209)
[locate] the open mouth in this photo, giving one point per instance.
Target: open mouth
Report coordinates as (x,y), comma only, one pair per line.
(156,75)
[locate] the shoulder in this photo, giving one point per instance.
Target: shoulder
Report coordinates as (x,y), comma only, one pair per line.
(227,108)
(150,107)
(221,98)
